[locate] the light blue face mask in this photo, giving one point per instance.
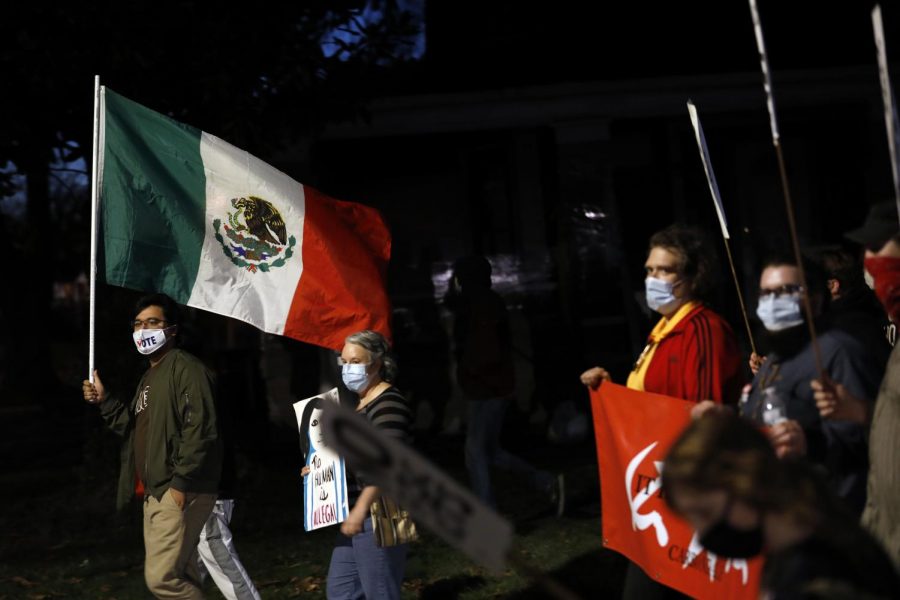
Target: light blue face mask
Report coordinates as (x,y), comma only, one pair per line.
(660,294)
(779,312)
(355,377)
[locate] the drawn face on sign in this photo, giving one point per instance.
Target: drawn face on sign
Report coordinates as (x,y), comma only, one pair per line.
(311,432)
(316,432)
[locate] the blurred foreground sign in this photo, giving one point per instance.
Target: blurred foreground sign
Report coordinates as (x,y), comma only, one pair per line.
(433,498)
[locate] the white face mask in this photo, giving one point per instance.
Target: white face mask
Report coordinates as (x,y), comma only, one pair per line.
(779,313)
(149,341)
(355,376)
(660,293)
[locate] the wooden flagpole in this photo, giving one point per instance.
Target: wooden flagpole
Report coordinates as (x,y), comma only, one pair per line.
(789,205)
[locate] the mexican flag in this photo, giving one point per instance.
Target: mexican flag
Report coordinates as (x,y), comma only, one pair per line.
(188,214)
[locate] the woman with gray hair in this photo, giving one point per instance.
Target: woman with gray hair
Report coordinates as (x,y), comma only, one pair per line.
(359,567)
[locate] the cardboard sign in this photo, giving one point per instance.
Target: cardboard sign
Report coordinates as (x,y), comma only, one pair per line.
(634,430)
(433,498)
(325,487)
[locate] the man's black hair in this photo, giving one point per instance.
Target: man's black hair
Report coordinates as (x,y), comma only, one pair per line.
(473,272)
(170,308)
(845,266)
(816,279)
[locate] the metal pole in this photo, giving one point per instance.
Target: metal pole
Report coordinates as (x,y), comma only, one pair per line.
(95,206)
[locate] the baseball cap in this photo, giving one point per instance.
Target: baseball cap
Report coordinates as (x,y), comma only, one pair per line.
(881,224)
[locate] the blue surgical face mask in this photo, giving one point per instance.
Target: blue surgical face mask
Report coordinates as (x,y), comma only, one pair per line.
(660,294)
(355,377)
(779,312)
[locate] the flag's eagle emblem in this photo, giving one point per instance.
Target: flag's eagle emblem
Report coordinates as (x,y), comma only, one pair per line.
(257,238)
(262,219)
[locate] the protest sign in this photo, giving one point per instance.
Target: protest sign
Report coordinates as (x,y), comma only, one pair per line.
(325,487)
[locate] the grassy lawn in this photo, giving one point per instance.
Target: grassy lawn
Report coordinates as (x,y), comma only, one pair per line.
(62,539)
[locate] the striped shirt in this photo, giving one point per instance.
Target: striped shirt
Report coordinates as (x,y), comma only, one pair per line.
(390,413)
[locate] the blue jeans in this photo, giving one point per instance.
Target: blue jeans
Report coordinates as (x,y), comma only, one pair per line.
(483,450)
(360,569)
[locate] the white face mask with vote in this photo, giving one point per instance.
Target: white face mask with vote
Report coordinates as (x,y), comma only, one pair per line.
(149,341)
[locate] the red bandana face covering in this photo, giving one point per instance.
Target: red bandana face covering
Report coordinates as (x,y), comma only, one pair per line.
(885,270)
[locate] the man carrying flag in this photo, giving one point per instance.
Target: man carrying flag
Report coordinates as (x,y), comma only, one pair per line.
(212,227)
(171,446)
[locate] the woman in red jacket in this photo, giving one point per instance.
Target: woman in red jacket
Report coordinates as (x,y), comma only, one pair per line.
(691,353)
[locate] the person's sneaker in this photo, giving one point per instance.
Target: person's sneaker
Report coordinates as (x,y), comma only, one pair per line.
(558,495)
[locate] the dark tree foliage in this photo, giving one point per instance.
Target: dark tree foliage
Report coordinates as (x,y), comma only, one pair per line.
(253,73)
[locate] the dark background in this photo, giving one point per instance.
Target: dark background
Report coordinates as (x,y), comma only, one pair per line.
(552,140)
(551,137)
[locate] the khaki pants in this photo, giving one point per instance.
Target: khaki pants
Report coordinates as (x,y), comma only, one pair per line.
(170,543)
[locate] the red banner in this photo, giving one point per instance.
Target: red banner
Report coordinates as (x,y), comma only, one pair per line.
(634,430)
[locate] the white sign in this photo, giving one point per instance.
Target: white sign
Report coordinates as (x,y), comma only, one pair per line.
(767,73)
(325,486)
(707,166)
(887,96)
(432,497)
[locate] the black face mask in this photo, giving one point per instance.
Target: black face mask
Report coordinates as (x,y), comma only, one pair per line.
(788,342)
(722,539)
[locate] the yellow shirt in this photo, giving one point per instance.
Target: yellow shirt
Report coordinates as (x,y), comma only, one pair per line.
(659,333)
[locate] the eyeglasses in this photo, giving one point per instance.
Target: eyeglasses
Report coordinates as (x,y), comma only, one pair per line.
(789,289)
(151,323)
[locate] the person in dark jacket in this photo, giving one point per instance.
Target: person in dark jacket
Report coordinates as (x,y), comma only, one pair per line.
(880,236)
(171,448)
(791,366)
(854,308)
(485,372)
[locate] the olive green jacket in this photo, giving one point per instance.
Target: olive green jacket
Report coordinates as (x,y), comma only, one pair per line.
(882,513)
(184,449)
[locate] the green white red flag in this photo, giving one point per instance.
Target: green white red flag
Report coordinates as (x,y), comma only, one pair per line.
(190,215)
